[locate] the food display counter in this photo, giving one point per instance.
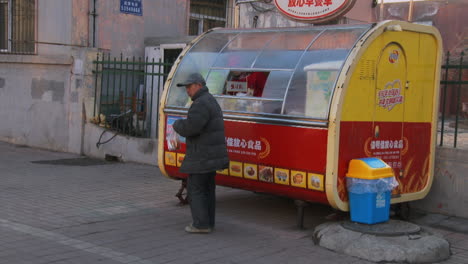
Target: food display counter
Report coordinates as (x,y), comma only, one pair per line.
(300,103)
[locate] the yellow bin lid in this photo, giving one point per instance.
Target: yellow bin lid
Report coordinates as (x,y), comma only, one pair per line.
(369,168)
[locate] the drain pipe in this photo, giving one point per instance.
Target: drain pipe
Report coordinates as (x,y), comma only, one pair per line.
(94,15)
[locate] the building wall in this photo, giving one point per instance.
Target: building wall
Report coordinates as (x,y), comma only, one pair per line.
(124,33)
(47,99)
(448,193)
(41,99)
(33,101)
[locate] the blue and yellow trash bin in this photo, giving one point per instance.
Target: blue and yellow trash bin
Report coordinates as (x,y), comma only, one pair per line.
(369,182)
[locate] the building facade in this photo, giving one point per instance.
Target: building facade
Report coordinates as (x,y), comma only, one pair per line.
(48,50)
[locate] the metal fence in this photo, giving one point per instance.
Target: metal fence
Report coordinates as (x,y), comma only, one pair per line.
(128,93)
(454,101)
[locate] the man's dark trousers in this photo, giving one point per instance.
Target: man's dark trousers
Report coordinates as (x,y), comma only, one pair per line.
(201,192)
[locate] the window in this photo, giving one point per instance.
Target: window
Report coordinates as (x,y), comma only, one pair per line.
(17,26)
(4,25)
(206,14)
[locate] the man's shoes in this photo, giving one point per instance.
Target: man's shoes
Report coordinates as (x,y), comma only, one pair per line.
(191,229)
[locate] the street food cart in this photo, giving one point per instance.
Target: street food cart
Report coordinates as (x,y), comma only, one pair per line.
(300,103)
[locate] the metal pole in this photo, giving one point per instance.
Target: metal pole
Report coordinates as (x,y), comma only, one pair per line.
(114,70)
(121,102)
(159,88)
(95,84)
(381,16)
(236,16)
(444,99)
(107,85)
(93,14)
(19,31)
(125,120)
(410,12)
(458,98)
(132,98)
(145,97)
(152,94)
(137,105)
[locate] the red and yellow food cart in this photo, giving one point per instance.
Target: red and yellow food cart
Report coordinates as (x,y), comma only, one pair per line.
(300,103)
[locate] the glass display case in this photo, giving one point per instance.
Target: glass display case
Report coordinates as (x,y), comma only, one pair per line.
(275,72)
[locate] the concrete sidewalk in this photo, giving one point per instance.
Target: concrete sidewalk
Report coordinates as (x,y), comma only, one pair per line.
(57,209)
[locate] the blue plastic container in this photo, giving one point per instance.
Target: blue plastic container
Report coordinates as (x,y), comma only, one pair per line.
(369,208)
(369,182)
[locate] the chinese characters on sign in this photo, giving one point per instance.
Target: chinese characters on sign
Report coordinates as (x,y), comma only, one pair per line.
(388,150)
(301,3)
(233,86)
(390,95)
(314,10)
(134,7)
(244,145)
(386,144)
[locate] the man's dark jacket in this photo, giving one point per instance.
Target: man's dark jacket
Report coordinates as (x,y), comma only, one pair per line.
(204,133)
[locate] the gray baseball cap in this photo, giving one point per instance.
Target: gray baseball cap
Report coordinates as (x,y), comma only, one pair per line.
(193,78)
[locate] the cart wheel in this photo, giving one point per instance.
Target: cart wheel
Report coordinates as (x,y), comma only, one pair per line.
(402,211)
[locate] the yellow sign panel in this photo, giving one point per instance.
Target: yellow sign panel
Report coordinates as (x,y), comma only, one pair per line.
(299,179)
(250,171)
(235,168)
(282,176)
(385,88)
(180,158)
(315,181)
(170,158)
(265,173)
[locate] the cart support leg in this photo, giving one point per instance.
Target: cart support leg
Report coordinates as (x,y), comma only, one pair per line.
(300,205)
(402,210)
(180,195)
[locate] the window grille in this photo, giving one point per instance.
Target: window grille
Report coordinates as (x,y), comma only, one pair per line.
(17,26)
(206,14)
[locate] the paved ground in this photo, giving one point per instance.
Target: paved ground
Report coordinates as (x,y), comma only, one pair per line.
(54,212)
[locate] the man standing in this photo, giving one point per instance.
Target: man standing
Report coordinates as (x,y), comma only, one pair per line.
(206,152)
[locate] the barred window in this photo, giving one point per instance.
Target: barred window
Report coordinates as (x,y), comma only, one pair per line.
(206,14)
(17,26)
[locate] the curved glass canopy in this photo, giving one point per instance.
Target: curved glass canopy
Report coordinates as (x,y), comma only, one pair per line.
(274,72)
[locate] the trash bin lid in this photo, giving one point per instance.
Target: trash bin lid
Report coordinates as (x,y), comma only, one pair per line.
(369,168)
(374,162)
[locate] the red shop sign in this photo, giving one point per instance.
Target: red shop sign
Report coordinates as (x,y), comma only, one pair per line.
(314,11)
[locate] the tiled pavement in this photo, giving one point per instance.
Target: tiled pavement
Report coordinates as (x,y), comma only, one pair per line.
(127,213)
